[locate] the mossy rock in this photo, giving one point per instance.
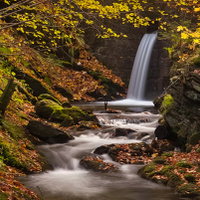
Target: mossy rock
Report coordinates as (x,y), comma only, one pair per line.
(189,190)
(68,121)
(190,178)
(84,125)
(184,165)
(48,96)
(147,171)
(159,160)
(142,147)
(167,170)
(174,180)
(136,146)
(167,154)
(194,138)
(46,107)
(74,112)
(166,104)
(160,180)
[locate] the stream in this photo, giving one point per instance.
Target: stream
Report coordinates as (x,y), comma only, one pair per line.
(69,181)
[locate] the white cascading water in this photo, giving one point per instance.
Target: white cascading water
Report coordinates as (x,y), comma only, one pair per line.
(69,181)
(138,78)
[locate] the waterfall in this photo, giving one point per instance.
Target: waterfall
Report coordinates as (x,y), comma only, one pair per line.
(139,72)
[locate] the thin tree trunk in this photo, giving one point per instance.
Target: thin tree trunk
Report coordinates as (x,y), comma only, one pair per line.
(6,96)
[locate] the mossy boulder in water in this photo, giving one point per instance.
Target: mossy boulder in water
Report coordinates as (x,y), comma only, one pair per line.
(73,114)
(44,108)
(174,180)
(189,190)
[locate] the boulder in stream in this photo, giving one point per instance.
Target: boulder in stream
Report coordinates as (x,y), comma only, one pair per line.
(133,153)
(96,163)
(48,133)
(123,132)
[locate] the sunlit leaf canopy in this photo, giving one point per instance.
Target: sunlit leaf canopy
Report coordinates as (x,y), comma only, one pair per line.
(51,23)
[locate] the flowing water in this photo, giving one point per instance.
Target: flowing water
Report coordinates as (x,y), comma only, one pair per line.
(140,67)
(69,181)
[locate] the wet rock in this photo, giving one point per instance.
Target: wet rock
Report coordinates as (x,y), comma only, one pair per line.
(85,125)
(102,149)
(48,133)
(137,120)
(133,153)
(95,163)
(161,132)
(161,146)
(141,135)
(122,132)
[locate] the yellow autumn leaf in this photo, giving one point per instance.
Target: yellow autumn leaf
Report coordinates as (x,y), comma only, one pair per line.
(184,36)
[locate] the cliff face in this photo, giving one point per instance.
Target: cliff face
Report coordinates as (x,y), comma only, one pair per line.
(181,113)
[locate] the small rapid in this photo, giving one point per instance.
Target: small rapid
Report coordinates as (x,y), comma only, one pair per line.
(69,181)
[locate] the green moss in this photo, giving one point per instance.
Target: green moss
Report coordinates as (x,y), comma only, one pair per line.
(46,107)
(95,74)
(68,121)
(174,180)
(159,160)
(167,170)
(147,171)
(68,114)
(166,103)
(9,155)
(3,196)
(50,97)
(16,132)
(167,154)
(184,165)
(190,178)
(189,190)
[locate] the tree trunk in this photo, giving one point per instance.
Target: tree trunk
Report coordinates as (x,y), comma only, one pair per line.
(6,96)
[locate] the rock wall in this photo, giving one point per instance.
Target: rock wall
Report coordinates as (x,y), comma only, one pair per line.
(118,54)
(182,115)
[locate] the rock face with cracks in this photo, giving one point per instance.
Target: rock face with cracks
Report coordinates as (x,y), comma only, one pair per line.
(181,112)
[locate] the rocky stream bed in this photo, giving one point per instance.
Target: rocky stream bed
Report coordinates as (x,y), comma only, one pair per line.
(108,163)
